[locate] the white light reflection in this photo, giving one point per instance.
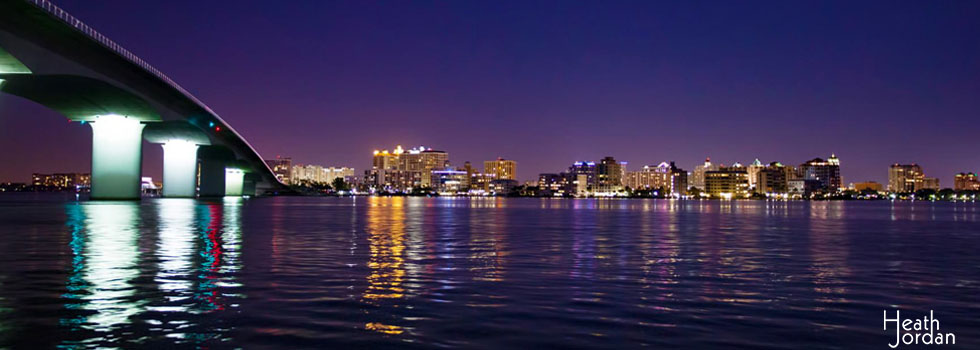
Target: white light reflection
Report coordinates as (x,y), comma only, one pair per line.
(175,249)
(106,256)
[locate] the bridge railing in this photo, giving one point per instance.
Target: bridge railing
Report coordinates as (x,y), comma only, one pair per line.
(102,39)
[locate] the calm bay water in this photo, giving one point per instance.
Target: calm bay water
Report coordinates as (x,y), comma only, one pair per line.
(486,273)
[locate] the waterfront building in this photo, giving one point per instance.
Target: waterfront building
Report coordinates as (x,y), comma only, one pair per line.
(649,178)
(403,170)
(558,185)
(904,178)
(584,168)
(61,180)
(868,185)
(803,188)
(665,177)
(827,172)
(503,169)
(966,182)
(502,187)
(449,181)
(423,159)
(678,181)
(727,182)
(610,175)
(480,183)
(697,176)
(771,179)
(316,174)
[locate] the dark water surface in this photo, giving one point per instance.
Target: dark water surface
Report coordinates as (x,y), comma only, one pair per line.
(487,273)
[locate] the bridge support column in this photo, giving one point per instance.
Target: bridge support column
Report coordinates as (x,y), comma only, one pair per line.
(212,178)
(234,182)
(116,157)
(179,169)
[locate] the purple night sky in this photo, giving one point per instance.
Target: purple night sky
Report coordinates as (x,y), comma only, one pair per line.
(548,83)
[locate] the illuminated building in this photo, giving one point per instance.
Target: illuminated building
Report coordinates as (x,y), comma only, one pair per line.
(727,182)
(449,181)
(827,172)
(384,160)
(803,188)
(502,187)
(904,178)
(868,185)
(558,185)
(678,181)
(650,177)
(501,168)
(770,179)
(282,167)
(582,185)
(62,181)
(315,174)
(588,169)
(480,183)
(697,176)
(966,182)
(610,175)
(403,170)
(753,170)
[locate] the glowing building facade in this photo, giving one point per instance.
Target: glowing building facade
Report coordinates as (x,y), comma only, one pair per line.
(966,182)
(727,182)
(501,168)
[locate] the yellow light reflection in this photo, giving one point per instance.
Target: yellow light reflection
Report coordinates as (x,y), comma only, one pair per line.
(384,328)
(386,238)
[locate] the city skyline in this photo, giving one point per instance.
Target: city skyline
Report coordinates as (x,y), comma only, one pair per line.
(645,97)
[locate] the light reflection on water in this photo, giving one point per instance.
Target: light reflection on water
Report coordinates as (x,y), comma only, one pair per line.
(487,272)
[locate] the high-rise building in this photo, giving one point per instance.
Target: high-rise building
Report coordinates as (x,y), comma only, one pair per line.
(384,160)
(585,168)
(282,167)
(770,179)
(904,178)
(678,181)
(610,175)
(650,178)
(503,169)
(697,177)
(966,182)
(826,172)
(727,182)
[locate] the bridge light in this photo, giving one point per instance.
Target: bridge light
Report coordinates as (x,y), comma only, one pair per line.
(210,124)
(217,128)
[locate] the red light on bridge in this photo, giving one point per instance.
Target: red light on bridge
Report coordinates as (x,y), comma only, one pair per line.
(217,128)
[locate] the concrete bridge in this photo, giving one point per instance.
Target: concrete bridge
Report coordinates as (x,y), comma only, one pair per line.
(49,57)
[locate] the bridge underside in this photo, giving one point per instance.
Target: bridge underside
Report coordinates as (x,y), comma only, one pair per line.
(53,59)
